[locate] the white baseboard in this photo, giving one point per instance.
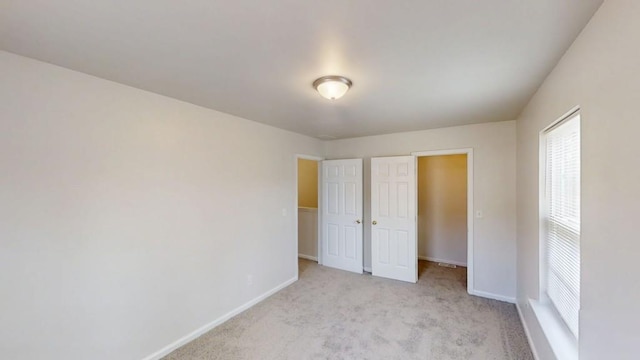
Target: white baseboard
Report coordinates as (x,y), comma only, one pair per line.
(189,337)
(367,269)
(526,331)
(308,257)
(432,259)
(492,296)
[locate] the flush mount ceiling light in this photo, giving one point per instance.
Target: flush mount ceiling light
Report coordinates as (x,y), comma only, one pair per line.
(332,87)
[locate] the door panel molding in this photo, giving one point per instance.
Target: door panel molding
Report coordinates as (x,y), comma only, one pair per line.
(341,220)
(394,243)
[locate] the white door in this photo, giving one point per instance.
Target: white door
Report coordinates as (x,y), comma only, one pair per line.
(394,245)
(342,214)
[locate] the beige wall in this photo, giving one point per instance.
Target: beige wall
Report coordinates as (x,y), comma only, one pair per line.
(129,220)
(494,152)
(307,183)
(442,208)
(601,73)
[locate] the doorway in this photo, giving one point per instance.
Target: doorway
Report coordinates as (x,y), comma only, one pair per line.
(445,208)
(442,209)
(307,200)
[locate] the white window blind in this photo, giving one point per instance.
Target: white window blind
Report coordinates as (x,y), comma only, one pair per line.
(561,219)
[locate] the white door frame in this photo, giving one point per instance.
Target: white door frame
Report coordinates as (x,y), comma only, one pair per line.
(295,203)
(470,209)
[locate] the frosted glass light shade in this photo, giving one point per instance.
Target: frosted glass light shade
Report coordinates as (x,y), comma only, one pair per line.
(332,87)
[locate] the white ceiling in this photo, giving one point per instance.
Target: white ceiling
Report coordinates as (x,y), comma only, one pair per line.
(415,64)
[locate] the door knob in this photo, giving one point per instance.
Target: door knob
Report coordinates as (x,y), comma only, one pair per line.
(358,221)
(375,222)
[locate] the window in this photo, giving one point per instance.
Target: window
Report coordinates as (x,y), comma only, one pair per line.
(560,217)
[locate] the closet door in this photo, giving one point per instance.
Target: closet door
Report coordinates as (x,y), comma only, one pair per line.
(394,245)
(342,214)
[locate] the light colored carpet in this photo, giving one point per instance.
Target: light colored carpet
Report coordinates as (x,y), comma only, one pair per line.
(332,314)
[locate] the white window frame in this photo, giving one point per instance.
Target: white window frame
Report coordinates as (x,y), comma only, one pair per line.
(562,340)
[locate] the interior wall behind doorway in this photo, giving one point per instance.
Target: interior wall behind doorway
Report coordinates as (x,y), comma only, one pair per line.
(308,209)
(442,208)
(307,183)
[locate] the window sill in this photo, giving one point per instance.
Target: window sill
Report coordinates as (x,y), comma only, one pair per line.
(561,340)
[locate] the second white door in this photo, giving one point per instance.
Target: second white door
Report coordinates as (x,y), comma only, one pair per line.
(394,245)
(342,214)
